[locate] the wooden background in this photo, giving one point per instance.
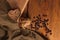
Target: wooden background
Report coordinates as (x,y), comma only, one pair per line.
(52,9)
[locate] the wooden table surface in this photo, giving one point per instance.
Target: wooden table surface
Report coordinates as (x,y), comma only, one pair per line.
(52,9)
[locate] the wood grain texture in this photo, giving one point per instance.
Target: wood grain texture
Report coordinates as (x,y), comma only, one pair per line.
(52,9)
